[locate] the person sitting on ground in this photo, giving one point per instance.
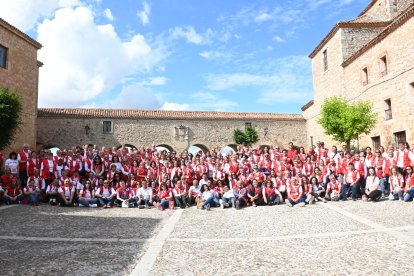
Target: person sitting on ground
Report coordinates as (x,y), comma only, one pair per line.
(409,184)
(32,193)
(396,184)
(144,196)
(180,194)
(333,189)
(105,195)
(307,190)
(87,196)
(67,194)
(240,193)
(295,194)
(209,198)
(12,193)
(227,198)
(269,194)
(165,196)
(318,192)
(255,194)
(124,196)
(6,178)
(372,185)
(52,192)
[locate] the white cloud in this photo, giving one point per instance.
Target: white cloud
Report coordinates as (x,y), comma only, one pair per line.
(210,55)
(136,97)
(189,33)
(154,81)
(24,14)
(144,13)
(83,60)
(278,39)
(175,106)
(108,14)
(262,17)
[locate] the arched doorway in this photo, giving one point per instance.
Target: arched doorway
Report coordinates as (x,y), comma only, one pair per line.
(54,150)
(163,147)
(195,149)
(229,148)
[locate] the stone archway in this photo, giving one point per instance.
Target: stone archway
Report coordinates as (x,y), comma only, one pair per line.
(129,146)
(194,149)
(229,148)
(166,147)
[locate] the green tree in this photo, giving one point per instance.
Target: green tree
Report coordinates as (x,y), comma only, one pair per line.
(343,121)
(248,136)
(10,109)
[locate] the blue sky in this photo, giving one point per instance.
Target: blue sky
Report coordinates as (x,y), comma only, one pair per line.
(234,55)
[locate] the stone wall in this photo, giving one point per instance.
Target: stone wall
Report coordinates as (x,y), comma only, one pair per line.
(21,75)
(381,9)
(396,85)
(68,132)
(354,38)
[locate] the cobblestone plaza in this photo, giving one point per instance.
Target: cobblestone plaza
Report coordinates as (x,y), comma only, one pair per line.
(322,239)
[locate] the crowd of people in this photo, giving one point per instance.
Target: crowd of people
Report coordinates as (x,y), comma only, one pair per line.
(89,176)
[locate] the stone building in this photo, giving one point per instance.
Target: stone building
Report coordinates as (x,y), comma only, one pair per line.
(175,130)
(19,71)
(368,58)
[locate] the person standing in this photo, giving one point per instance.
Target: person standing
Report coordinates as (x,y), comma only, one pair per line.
(23,157)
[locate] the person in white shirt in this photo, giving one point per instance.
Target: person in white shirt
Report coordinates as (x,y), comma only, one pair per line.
(180,194)
(144,196)
(13,164)
(87,196)
(227,200)
(209,198)
(373,189)
(105,195)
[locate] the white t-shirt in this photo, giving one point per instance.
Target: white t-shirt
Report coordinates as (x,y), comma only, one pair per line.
(144,193)
(13,164)
(67,191)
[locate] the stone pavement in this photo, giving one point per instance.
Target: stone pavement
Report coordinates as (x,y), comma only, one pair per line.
(334,238)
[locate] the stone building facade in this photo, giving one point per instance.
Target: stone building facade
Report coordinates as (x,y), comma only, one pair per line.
(19,71)
(175,130)
(368,58)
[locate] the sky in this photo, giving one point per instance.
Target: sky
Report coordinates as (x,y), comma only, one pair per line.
(215,55)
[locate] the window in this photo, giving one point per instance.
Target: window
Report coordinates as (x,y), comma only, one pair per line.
(376,142)
(107,127)
(399,137)
(247,124)
(311,138)
(388,111)
(3,57)
(365,76)
(383,66)
(325,60)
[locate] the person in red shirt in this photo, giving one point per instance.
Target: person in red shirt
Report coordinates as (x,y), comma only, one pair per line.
(333,189)
(292,152)
(124,196)
(165,196)
(255,194)
(32,193)
(269,194)
(12,193)
(6,178)
(295,194)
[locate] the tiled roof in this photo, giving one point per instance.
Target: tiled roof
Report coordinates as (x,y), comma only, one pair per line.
(396,23)
(365,18)
(162,114)
(307,105)
(21,34)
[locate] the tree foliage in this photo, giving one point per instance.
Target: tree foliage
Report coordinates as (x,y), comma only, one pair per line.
(248,136)
(343,121)
(10,109)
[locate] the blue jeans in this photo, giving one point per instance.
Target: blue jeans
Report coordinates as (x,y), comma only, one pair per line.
(33,198)
(345,190)
(382,185)
(410,195)
(398,194)
(165,204)
(7,199)
(86,203)
(302,199)
(213,201)
(103,201)
(227,200)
